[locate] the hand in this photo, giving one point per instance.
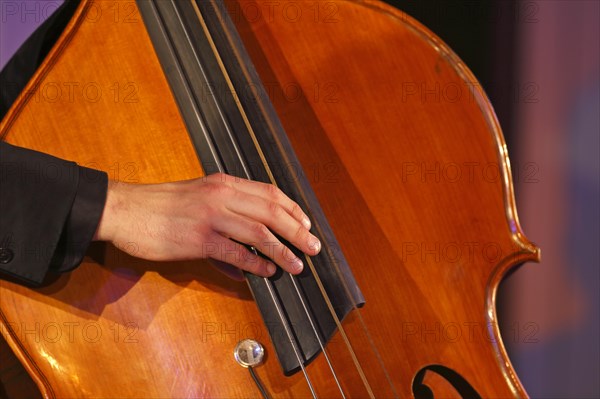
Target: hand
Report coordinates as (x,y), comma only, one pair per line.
(208,218)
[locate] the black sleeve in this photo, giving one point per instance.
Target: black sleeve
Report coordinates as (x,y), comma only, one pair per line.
(49,212)
(49,208)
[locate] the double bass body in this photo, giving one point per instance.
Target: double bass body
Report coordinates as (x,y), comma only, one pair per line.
(415,185)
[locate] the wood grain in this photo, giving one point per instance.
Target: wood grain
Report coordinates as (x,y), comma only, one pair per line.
(405,155)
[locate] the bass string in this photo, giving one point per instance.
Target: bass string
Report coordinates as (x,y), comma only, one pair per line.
(289,335)
(307,258)
(314,329)
(268,283)
(309,262)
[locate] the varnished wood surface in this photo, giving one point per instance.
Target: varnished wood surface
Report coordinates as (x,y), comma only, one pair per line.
(355,86)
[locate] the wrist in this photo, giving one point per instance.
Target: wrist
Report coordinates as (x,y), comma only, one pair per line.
(106,226)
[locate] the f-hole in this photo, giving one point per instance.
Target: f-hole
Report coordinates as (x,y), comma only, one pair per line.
(461,386)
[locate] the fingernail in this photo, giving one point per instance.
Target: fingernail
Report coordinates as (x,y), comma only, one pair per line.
(315,245)
(270,269)
(298,265)
(306,222)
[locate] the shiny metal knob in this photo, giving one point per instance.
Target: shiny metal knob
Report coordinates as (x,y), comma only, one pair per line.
(249,353)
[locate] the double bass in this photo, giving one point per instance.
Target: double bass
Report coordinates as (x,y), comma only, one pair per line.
(362,116)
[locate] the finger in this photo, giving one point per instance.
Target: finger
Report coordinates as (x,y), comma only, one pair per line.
(227,251)
(274,216)
(267,192)
(251,232)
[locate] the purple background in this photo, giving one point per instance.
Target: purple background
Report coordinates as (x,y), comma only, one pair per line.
(18,20)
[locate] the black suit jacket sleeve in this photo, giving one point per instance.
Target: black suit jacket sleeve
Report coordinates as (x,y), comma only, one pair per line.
(49,208)
(49,212)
